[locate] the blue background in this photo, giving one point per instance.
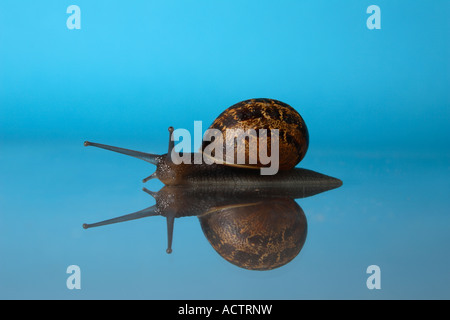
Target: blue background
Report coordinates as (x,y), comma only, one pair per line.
(376,103)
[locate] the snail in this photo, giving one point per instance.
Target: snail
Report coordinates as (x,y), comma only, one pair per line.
(254,228)
(247,119)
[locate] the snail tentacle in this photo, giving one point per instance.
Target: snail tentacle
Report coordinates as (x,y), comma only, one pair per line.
(152,176)
(149,157)
(170,223)
(148,212)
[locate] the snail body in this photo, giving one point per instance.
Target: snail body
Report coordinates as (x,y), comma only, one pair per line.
(247,117)
(257,229)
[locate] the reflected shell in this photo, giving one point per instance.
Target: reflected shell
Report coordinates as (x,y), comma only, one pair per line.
(257,236)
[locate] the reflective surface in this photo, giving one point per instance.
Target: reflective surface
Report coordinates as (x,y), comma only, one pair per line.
(379,216)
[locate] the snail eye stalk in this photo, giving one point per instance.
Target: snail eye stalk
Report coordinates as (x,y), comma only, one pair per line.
(149,157)
(148,212)
(171,143)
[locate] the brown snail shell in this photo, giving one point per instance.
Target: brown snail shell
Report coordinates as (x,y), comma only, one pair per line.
(263,114)
(260,236)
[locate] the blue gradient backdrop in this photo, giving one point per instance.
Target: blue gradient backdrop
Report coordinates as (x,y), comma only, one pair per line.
(376,102)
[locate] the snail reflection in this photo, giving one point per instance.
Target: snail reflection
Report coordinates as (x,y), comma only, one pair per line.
(256,228)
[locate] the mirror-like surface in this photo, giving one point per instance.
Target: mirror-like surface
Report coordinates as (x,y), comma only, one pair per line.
(378,217)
